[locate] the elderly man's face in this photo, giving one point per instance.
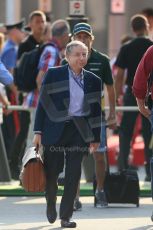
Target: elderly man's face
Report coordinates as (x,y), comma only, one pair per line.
(77,59)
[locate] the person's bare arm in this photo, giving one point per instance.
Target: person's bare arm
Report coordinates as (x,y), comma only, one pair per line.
(39,78)
(119,81)
(4,100)
(111,120)
(13,88)
(144,110)
(93,147)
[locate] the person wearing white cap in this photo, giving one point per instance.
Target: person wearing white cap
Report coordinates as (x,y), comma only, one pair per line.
(10,125)
(15,35)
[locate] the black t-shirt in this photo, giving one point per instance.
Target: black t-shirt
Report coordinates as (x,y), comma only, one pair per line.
(27,45)
(98,63)
(130,55)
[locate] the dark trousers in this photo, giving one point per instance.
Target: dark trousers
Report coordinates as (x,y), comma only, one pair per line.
(72,147)
(126,133)
(20,141)
(8,130)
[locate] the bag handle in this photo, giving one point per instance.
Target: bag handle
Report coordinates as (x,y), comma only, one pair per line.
(37,151)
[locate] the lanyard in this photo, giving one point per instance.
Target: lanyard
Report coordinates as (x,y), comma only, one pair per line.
(79,81)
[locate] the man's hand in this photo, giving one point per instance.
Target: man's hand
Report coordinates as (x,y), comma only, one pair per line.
(144,110)
(111,121)
(93,147)
(37,140)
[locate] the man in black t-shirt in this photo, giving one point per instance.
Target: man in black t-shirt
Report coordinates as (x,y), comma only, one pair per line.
(37,22)
(128,59)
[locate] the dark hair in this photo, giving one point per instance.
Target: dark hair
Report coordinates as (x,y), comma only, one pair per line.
(138,22)
(148,12)
(36,13)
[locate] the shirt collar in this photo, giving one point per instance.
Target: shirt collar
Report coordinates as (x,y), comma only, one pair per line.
(81,75)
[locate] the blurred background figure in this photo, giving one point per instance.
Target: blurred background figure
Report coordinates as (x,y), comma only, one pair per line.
(36,24)
(2,39)
(6,79)
(10,126)
(127,60)
(51,55)
(124,39)
(15,35)
(46,37)
(148,13)
(2,28)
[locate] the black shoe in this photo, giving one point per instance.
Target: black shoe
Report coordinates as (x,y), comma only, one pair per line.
(77,205)
(51,212)
(68,224)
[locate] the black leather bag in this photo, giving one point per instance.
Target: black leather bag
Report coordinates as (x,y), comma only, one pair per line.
(121,187)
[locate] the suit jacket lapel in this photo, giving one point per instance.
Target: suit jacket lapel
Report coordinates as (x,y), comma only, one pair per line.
(87,83)
(65,78)
(87,91)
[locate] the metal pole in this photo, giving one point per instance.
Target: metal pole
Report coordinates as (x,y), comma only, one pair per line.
(5,174)
(117,108)
(124,108)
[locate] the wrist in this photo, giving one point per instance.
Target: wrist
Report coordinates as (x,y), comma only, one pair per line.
(112,114)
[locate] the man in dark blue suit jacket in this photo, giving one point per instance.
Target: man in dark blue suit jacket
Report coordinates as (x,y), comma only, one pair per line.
(67,123)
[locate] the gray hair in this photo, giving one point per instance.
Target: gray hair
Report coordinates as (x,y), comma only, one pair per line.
(73,44)
(59,28)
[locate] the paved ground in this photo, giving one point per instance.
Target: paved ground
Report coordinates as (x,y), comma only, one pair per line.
(19,213)
(29,213)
